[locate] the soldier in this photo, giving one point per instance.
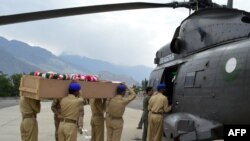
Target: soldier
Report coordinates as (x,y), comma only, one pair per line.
(149,92)
(141,122)
(97,119)
(115,111)
(71,106)
(29,128)
(80,119)
(55,107)
(158,105)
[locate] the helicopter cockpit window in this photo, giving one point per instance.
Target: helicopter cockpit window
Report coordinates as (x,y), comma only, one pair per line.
(189,79)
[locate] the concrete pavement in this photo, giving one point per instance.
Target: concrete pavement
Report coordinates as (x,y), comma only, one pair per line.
(7,102)
(11,118)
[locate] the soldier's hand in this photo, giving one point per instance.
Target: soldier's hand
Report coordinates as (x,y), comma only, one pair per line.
(59,116)
(80,131)
(169,108)
(126,85)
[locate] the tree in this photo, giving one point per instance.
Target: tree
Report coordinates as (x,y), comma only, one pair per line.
(15,79)
(144,84)
(5,85)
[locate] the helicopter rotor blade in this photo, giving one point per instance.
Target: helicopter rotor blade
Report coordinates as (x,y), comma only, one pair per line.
(32,16)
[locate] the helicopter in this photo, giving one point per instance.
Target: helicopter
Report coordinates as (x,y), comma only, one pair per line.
(205,66)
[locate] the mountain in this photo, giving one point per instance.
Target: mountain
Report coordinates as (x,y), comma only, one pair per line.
(34,56)
(10,64)
(106,75)
(19,57)
(139,73)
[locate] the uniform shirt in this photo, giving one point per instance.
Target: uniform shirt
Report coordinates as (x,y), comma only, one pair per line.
(117,104)
(97,106)
(71,107)
(29,106)
(158,103)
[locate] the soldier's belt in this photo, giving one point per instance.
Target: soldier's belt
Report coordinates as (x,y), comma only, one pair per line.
(115,117)
(68,120)
(97,114)
(31,115)
(159,113)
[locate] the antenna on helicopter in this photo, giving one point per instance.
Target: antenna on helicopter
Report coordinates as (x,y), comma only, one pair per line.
(230,4)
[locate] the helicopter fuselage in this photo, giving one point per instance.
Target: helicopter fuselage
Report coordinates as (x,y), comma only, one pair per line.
(207,67)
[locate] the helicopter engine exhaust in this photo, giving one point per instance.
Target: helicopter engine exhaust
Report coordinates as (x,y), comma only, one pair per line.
(230,4)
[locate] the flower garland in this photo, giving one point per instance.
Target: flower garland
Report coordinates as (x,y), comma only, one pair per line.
(59,76)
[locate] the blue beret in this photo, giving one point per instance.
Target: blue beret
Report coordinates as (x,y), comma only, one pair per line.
(74,86)
(121,88)
(161,86)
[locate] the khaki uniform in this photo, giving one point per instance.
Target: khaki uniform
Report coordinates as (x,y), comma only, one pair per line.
(29,128)
(70,111)
(115,111)
(158,104)
(97,119)
(55,107)
(145,117)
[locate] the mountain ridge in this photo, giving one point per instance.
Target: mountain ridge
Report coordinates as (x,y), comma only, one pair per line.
(20,57)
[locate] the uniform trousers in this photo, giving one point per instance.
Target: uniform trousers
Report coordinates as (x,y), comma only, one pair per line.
(67,131)
(114,128)
(57,121)
(29,129)
(155,127)
(97,128)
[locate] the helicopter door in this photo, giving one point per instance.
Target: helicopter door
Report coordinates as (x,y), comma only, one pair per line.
(168,77)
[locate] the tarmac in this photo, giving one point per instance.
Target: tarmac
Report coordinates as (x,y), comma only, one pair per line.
(11,118)
(10,121)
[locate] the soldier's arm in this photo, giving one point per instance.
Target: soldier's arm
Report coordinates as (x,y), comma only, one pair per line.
(107,101)
(54,106)
(81,114)
(85,101)
(104,104)
(130,97)
(166,107)
(145,103)
(149,104)
(80,118)
(36,106)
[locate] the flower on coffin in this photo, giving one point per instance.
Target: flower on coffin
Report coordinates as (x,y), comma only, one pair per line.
(82,77)
(91,78)
(53,75)
(37,73)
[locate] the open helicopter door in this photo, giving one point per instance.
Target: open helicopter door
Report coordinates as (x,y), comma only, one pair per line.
(168,78)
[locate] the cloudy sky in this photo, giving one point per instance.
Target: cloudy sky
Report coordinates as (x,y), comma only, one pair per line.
(126,37)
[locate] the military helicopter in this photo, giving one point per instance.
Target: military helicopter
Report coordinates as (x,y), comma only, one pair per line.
(206,70)
(205,67)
